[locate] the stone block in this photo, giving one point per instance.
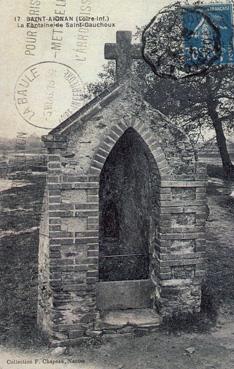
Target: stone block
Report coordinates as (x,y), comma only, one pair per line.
(81,268)
(184,219)
(86,213)
(183,194)
(53,158)
(93,198)
(97,164)
(65,241)
(55,228)
(74,196)
(74,178)
(54,199)
(54,192)
(93,253)
(74,224)
(182,246)
(94,170)
(183,272)
(124,294)
(53,179)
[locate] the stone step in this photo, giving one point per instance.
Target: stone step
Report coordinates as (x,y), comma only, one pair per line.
(124,295)
(138,318)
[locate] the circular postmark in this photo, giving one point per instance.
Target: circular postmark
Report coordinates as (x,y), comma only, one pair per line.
(181,41)
(47,93)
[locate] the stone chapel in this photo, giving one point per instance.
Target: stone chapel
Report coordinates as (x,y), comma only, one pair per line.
(122,239)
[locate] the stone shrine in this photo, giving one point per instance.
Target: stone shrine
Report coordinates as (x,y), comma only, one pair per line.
(122,238)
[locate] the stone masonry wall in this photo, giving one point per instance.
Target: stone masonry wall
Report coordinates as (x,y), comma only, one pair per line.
(177,244)
(181,248)
(101,125)
(73,250)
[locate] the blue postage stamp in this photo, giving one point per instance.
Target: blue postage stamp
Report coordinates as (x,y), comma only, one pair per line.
(208,35)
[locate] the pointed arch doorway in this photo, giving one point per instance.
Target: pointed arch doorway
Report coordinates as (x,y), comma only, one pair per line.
(128,219)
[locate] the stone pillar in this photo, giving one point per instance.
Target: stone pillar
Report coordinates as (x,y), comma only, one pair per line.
(68,259)
(181,246)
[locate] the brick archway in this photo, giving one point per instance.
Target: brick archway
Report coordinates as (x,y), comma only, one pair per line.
(113,136)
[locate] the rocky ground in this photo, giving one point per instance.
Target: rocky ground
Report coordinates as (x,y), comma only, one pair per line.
(204,342)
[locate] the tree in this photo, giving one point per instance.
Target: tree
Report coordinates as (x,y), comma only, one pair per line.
(193,46)
(202,100)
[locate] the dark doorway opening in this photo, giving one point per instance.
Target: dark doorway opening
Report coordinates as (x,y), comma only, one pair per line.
(128,210)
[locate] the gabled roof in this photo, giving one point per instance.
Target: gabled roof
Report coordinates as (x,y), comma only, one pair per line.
(92,107)
(98,103)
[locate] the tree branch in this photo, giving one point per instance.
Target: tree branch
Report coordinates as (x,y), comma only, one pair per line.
(224,96)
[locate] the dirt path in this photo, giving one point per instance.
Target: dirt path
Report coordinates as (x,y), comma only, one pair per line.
(156,351)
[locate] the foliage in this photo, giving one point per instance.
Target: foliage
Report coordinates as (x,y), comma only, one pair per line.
(195,104)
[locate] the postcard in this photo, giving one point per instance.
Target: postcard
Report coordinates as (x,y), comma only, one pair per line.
(116,184)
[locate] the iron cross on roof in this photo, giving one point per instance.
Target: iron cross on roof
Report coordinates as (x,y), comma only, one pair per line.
(123,52)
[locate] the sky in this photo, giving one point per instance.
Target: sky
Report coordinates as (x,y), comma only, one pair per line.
(83,53)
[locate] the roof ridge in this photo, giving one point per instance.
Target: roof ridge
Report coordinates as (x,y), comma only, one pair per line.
(63,125)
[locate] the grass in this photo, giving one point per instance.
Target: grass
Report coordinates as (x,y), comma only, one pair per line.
(21,208)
